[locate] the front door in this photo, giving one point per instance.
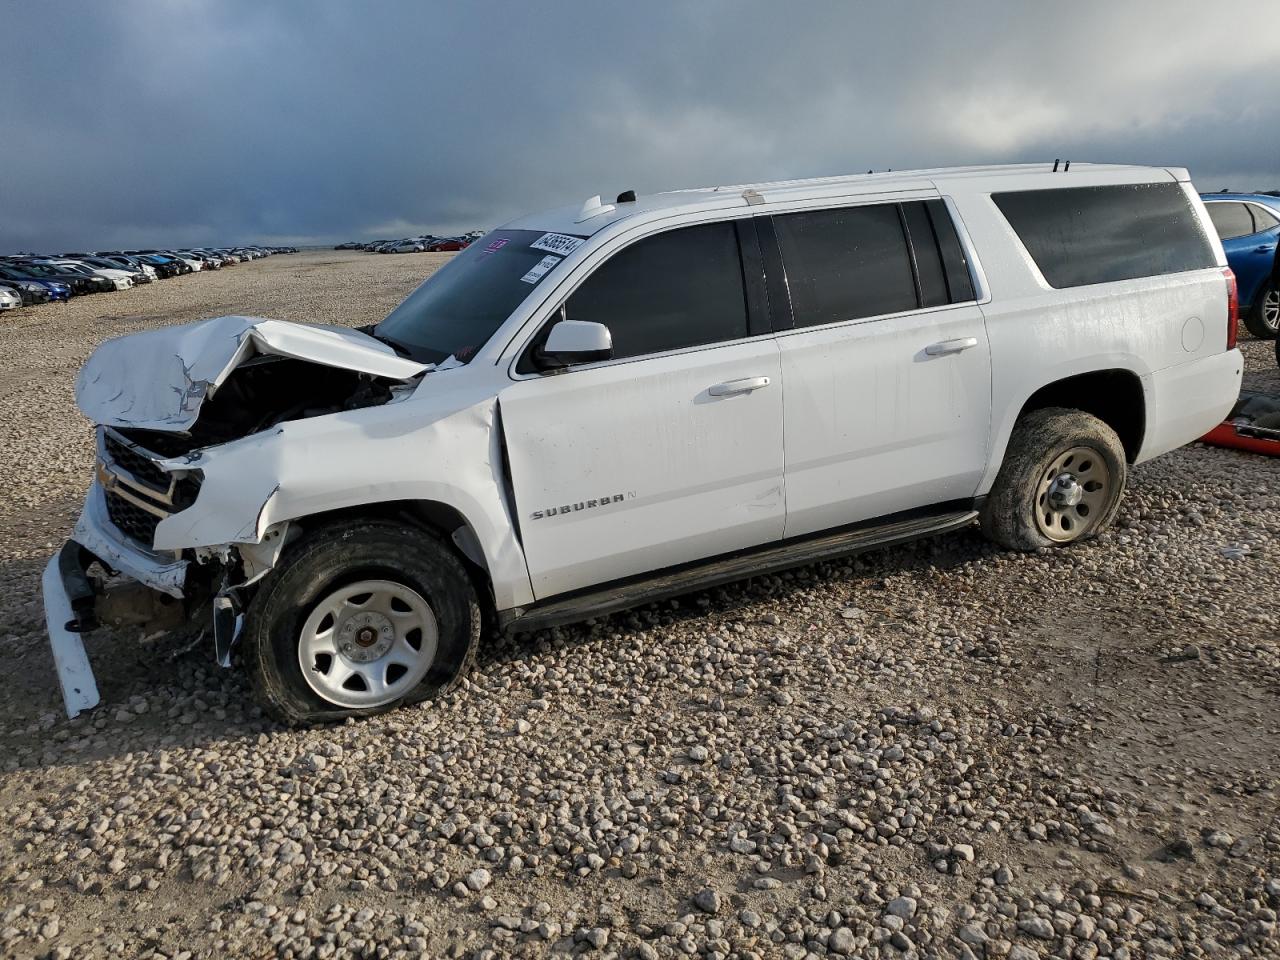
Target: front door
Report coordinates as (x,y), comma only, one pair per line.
(671,451)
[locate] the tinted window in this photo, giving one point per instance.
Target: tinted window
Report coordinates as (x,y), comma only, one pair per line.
(1263,219)
(847,263)
(1231,220)
(460,306)
(677,289)
(1084,235)
(924,244)
(959,280)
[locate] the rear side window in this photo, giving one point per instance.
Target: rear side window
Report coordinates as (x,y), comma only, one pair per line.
(1230,219)
(846,263)
(682,288)
(1263,219)
(1084,235)
(941,264)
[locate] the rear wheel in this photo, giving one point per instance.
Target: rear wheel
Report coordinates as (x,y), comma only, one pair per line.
(1062,480)
(359,618)
(1263,318)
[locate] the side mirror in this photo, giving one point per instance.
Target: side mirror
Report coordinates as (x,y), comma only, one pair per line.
(576,341)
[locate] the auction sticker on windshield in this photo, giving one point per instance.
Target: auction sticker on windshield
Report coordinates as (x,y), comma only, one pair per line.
(539,269)
(557,243)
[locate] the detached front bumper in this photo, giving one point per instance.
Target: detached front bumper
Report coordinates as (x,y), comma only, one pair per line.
(70,599)
(69,603)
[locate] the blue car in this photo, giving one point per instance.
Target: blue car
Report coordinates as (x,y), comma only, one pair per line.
(1249,226)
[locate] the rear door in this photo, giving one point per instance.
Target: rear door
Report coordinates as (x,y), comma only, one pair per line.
(887,364)
(671,451)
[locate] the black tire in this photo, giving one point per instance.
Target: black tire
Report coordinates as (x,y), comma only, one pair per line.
(342,554)
(1039,441)
(1263,318)
(1278,353)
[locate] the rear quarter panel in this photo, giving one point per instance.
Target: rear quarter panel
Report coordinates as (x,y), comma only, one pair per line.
(1040,335)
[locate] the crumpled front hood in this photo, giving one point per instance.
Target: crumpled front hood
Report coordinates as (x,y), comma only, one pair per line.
(157,379)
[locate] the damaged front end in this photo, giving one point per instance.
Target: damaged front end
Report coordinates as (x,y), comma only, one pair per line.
(166,404)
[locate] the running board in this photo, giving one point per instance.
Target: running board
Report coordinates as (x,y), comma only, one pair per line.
(703,574)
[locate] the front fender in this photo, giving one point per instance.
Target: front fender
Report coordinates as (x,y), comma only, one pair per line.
(401,451)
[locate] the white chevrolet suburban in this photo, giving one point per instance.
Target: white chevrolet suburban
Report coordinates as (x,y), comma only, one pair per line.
(597,406)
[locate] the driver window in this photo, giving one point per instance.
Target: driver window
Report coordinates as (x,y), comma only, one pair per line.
(682,288)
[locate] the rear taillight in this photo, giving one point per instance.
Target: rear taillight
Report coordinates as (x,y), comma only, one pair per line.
(1233,307)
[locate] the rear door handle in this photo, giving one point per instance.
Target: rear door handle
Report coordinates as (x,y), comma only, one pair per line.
(730,387)
(950,346)
(1265,248)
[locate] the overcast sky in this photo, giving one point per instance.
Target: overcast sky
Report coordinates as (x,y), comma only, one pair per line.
(189,122)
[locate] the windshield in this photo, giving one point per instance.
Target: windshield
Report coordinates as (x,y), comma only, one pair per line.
(459,307)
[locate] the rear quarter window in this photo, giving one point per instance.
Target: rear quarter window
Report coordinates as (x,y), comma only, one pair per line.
(1086,235)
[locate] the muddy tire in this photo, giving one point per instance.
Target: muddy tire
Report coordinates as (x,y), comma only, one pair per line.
(359,618)
(1263,318)
(1062,480)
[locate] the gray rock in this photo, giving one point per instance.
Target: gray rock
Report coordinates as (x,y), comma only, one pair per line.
(707,900)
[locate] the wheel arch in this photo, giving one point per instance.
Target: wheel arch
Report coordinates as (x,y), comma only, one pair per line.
(1115,395)
(443,519)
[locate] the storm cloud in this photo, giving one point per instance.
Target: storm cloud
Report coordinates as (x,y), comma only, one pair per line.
(185,122)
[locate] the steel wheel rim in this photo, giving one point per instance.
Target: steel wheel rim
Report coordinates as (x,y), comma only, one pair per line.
(368,643)
(1073,494)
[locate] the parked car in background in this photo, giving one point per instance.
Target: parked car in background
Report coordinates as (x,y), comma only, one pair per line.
(120,279)
(446,244)
(79,283)
(10,299)
(32,292)
(134,272)
(406,246)
(1249,226)
(55,290)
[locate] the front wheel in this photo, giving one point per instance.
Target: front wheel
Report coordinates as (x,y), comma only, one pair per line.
(1263,319)
(359,618)
(1062,479)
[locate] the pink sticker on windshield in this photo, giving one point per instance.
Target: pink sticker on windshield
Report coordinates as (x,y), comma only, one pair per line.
(496,245)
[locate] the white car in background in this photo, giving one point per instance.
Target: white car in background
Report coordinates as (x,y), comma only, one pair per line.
(585,410)
(9,299)
(120,278)
(105,267)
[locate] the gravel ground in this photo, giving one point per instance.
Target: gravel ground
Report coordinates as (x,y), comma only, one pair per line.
(936,751)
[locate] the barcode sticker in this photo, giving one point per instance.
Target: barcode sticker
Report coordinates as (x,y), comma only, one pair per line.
(540,269)
(557,243)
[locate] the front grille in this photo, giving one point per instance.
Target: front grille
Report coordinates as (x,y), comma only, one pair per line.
(138,492)
(131,520)
(142,467)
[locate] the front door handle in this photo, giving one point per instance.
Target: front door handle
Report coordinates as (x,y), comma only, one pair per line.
(730,387)
(950,346)
(1265,248)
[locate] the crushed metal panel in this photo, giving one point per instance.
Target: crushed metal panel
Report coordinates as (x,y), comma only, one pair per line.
(440,448)
(187,363)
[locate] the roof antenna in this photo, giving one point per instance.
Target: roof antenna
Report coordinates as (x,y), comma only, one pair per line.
(626,196)
(1055,165)
(1067,167)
